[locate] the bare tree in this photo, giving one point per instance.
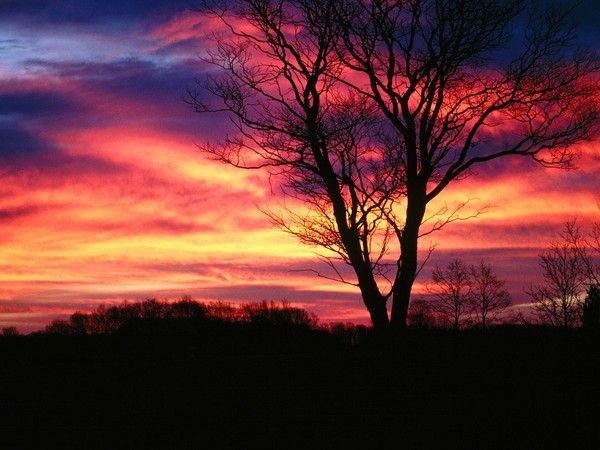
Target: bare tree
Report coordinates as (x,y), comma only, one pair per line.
(489,297)
(279,86)
(558,300)
(446,74)
(452,290)
(586,247)
(366,110)
(570,267)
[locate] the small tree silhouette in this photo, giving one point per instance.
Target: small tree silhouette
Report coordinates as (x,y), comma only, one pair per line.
(489,297)
(587,248)
(590,316)
(453,292)
(284,315)
(566,271)
(186,308)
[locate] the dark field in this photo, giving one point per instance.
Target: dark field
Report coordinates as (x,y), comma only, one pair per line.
(512,387)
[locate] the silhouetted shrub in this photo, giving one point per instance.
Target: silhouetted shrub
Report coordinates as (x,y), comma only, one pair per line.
(590,316)
(186,308)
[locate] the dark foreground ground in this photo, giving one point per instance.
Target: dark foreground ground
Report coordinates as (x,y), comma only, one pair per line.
(505,388)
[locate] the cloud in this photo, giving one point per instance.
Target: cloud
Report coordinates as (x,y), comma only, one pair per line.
(89,11)
(12,308)
(133,90)
(35,104)
(18,143)
(11,214)
(9,44)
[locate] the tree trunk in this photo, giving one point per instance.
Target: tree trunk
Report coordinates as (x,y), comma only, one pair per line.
(378,312)
(373,300)
(408,263)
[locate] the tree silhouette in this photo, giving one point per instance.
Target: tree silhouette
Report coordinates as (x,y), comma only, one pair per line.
(453,293)
(421,314)
(590,314)
(569,267)
(445,74)
(558,300)
(186,308)
(489,297)
(279,87)
(367,110)
(586,247)
(275,315)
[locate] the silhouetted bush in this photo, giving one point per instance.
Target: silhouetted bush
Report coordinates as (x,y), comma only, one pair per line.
(590,316)
(186,308)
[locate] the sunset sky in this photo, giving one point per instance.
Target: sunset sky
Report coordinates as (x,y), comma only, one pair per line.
(105,196)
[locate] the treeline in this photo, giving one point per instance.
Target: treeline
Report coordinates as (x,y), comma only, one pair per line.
(135,316)
(208,327)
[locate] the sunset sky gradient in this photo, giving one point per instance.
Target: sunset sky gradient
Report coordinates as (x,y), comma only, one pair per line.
(105,196)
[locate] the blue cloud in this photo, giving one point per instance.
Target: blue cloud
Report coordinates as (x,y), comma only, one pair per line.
(16,142)
(90,11)
(35,103)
